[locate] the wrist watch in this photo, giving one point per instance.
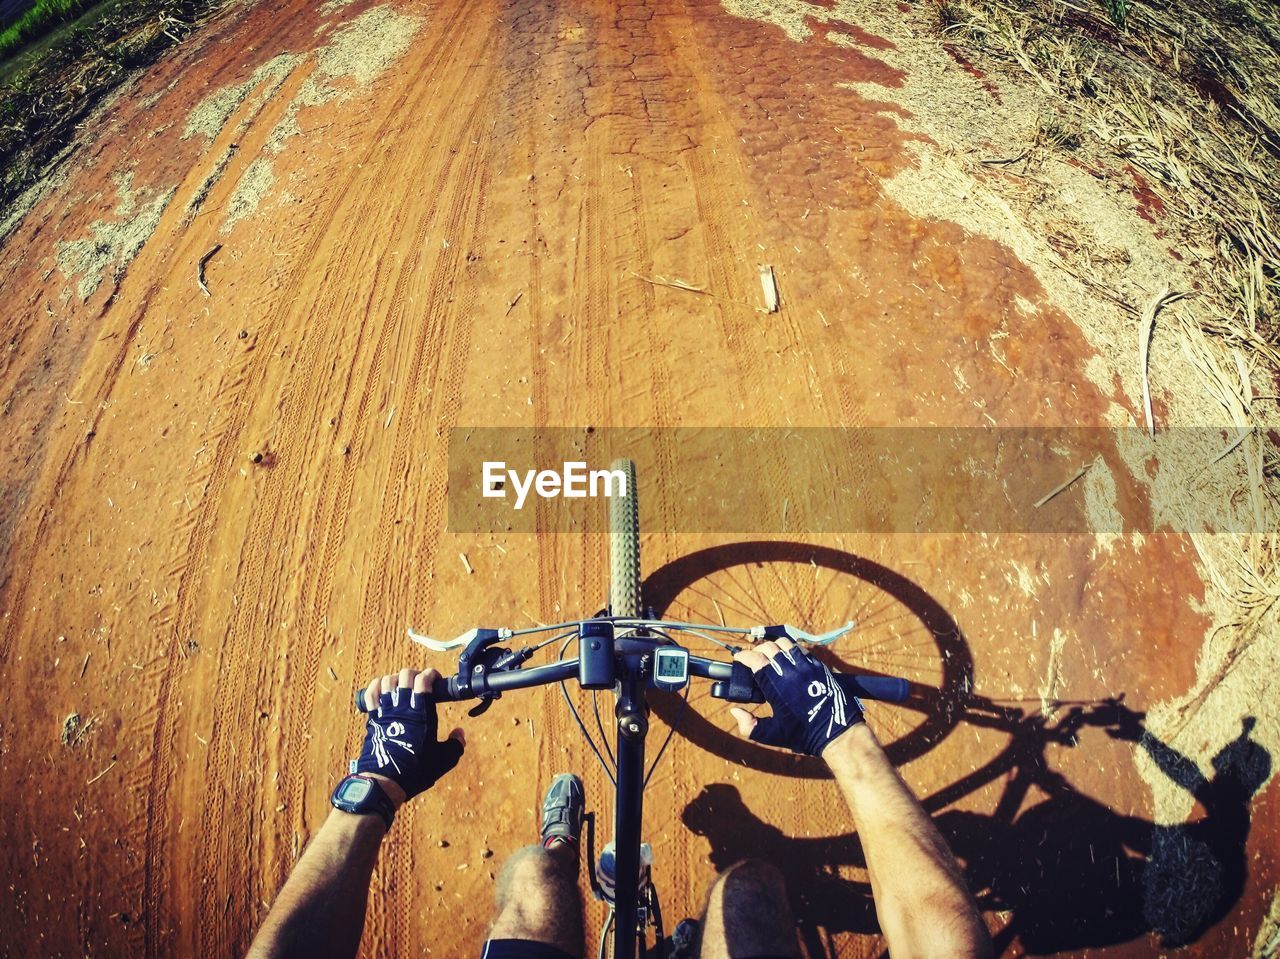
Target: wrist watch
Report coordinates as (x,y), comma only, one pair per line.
(362,795)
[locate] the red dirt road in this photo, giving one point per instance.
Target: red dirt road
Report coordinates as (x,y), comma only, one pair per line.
(221,512)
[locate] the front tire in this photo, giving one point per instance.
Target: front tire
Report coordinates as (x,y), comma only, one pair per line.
(624,547)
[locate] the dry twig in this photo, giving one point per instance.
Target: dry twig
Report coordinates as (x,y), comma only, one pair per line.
(673,284)
(1062,486)
(200,268)
(1146,327)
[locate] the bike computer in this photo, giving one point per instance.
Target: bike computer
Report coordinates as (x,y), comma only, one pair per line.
(670,667)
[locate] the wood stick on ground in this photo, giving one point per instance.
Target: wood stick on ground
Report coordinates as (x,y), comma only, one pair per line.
(673,284)
(1062,486)
(200,268)
(1146,327)
(769,284)
(103,773)
(1000,161)
(1244,434)
(689,288)
(512,305)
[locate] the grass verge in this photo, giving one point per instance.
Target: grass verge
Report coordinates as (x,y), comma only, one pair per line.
(48,89)
(39,20)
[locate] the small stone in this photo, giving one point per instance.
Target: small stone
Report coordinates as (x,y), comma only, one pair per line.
(71,731)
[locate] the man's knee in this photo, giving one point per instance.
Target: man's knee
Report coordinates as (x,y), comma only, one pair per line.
(748,913)
(533,875)
(538,899)
(753,878)
(530,865)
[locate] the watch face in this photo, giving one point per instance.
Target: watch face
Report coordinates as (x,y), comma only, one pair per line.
(355,790)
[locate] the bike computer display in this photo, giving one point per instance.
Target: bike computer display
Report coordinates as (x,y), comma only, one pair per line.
(670,667)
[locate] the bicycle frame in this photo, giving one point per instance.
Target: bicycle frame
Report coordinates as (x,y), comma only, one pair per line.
(633,727)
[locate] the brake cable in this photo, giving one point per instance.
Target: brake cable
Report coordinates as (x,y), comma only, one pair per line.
(604,737)
(564,691)
(671,731)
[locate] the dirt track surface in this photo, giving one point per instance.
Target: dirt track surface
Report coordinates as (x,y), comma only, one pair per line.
(221,512)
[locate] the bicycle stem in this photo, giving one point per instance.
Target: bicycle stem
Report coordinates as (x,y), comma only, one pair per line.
(633,725)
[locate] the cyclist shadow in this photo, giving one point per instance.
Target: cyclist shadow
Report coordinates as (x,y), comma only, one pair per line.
(1067,871)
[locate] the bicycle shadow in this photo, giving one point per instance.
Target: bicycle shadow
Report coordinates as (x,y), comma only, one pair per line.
(1069,871)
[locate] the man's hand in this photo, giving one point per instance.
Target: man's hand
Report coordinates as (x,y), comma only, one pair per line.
(400,748)
(809,707)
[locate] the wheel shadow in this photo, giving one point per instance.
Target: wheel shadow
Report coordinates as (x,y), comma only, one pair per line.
(939,706)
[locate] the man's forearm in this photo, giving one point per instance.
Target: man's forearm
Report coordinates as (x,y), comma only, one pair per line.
(320,910)
(921,900)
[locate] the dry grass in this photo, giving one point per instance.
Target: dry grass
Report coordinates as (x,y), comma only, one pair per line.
(1188,96)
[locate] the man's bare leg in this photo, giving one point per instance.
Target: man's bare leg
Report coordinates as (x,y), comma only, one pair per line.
(538,898)
(748,914)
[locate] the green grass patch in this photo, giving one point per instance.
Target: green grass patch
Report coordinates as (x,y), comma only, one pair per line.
(78,32)
(41,19)
(1118,10)
(52,83)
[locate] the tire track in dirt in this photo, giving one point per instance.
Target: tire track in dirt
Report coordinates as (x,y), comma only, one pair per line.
(746,337)
(442,342)
(532,54)
(389,344)
(154,260)
(200,524)
(570,569)
(307,681)
(528,51)
(454,326)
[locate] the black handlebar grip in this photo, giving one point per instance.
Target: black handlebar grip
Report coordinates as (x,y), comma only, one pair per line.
(742,687)
(441,690)
(889,689)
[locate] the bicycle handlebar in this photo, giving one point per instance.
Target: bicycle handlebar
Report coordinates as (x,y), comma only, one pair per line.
(734,682)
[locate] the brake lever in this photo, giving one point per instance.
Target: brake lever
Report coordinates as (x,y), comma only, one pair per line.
(463,639)
(798,635)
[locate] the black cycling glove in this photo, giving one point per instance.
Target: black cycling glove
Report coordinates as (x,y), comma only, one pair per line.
(400,742)
(809,707)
